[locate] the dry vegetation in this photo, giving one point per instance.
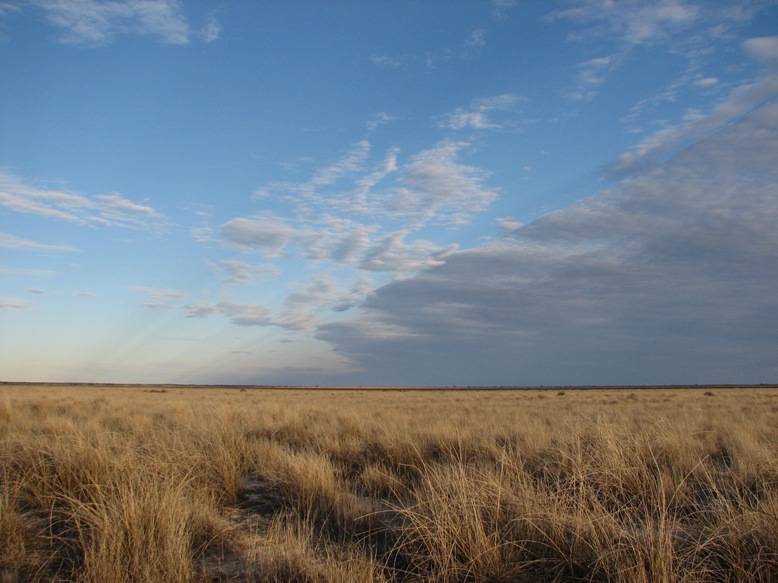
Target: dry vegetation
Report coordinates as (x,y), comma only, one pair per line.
(110,484)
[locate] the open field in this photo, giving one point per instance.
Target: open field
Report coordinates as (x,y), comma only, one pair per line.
(157,484)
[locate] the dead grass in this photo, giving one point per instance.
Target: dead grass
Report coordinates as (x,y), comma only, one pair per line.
(103,484)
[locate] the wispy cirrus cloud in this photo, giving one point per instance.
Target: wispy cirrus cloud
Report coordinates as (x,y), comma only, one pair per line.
(23,272)
(14,304)
(631,22)
(686,28)
(436,187)
(211,30)
(477,116)
(386,61)
(18,243)
(742,100)
(107,209)
(242,273)
(393,255)
(160,297)
(241,314)
(96,22)
(379,119)
(591,75)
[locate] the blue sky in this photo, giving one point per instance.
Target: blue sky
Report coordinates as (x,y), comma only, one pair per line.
(389,193)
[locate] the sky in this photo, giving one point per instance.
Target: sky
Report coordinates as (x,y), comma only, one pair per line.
(379,193)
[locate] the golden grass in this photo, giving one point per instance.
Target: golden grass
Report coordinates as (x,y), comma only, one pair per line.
(104,484)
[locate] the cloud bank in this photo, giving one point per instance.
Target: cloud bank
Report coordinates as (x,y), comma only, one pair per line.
(669,277)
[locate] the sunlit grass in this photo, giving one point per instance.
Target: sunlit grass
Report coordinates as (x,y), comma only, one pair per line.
(128,484)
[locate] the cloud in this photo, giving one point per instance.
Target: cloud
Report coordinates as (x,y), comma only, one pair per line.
(393,255)
(764,49)
(301,305)
(211,31)
(432,187)
(631,22)
(14,304)
(348,164)
(592,74)
(386,61)
(669,277)
(379,119)
(681,27)
(25,273)
(97,22)
(742,100)
(341,241)
(160,297)
(107,209)
(264,232)
(243,273)
(239,313)
(359,290)
(359,199)
(707,82)
(476,117)
(22,198)
(476,38)
(435,187)
(12,242)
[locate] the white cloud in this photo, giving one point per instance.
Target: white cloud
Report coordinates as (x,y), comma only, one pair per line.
(240,314)
(115,203)
(435,187)
(264,232)
(477,116)
(300,306)
(341,241)
(25,273)
(379,119)
(246,314)
(630,21)
(764,49)
(7,8)
(160,297)
(508,224)
(359,201)
(685,28)
(392,254)
(14,304)
(707,81)
(476,38)
(96,22)
(243,273)
(211,31)
(349,164)
(359,290)
(202,234)
(741,101)
(592,74)
(12,242)
(386,61)
(107,209)
(668,278)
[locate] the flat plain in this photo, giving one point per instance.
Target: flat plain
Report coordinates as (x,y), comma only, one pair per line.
(192,484)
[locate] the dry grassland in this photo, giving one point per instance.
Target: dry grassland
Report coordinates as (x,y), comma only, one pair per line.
(112,484)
